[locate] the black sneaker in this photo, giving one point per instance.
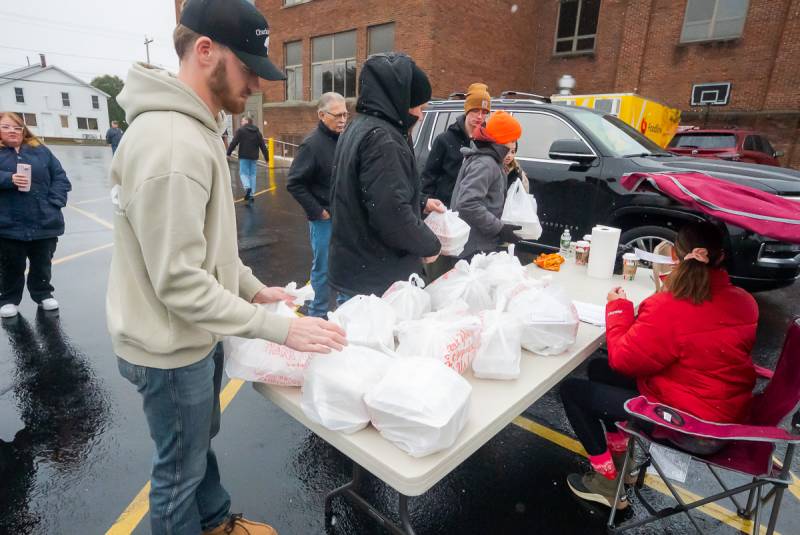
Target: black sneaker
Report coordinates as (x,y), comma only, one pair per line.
(247,194)
(596,488)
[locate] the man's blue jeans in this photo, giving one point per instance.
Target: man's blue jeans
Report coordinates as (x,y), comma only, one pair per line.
(320,232)
(183,413)
(247,174)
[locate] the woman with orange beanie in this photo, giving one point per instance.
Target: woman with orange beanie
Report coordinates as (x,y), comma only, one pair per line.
(481,185)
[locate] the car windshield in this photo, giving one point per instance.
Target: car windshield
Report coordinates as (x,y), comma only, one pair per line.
(619,138)
(703,141)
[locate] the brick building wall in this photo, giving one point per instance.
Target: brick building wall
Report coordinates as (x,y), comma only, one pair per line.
(637,49)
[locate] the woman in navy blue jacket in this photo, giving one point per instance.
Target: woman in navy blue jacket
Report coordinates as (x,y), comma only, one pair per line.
(30,215)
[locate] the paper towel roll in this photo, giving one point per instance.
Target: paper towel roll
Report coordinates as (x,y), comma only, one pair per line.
(605,241)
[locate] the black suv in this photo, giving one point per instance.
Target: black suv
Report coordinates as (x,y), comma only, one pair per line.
(574,158)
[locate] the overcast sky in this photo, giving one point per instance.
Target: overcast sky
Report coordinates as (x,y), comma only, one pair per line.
(86,37)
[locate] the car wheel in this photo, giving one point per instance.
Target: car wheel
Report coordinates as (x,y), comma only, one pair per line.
(647,238)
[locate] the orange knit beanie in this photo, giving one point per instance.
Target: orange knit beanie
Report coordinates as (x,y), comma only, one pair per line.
(503,128)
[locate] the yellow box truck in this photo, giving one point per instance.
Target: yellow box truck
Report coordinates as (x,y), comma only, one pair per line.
(653,119)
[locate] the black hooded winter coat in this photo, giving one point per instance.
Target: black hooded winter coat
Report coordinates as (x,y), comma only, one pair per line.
(378,236)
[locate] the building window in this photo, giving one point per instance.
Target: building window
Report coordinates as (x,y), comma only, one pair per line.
(87,123)
(95,102)
(65,100)
(710,20)
(577,26)
(294,70)
(333,64)
(28,118)
(64,121)
(20,95)
(380,39)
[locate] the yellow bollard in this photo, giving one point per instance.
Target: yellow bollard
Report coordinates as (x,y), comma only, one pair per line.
(271,147)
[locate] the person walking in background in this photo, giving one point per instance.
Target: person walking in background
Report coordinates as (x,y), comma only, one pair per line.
(249,140)
(378,236)
(177,284)
(309,183)
(114,136)
(33,190)
(481,186)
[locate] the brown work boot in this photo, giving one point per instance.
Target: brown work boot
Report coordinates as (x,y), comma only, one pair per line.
(236,525)
(596,488)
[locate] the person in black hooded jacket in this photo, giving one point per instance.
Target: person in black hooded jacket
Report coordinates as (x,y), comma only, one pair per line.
(249,140)
(378,236)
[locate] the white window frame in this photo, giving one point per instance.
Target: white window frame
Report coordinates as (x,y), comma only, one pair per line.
(575,37)
(333,61)
(18,95)
(95,98)
(293,68)
(69,102)
(712,22)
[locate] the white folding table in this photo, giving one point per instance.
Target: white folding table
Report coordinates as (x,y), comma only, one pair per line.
(494,404)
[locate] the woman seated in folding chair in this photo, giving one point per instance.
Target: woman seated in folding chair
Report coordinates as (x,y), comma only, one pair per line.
(689,348)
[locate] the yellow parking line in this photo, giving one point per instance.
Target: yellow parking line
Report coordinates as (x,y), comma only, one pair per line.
(80,254)
(92,217)
(133,514)
(713,510)
(262,192)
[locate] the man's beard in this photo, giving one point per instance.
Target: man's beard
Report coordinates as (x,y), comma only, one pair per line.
(218,83)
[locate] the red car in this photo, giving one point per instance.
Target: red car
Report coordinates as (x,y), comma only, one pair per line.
(733,144)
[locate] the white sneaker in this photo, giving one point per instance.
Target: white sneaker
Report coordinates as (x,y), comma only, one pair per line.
(49,304)
(8,311)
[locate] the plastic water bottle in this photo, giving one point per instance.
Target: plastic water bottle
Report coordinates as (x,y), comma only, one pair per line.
(566,238)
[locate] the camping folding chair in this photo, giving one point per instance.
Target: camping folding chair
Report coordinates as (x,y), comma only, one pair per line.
(747,449)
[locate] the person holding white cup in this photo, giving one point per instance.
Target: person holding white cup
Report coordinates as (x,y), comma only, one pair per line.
(33,190)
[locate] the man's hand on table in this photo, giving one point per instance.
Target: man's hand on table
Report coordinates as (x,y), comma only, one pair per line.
(315,335)
(273,295)
(617,293)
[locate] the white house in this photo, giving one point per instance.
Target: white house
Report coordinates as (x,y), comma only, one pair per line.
(55,103)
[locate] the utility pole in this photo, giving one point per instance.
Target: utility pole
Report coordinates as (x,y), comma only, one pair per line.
(147,47)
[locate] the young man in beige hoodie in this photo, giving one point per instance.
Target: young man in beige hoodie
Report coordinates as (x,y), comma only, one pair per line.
(177,284)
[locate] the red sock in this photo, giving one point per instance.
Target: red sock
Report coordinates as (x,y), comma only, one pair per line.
(603,464)
(617,441)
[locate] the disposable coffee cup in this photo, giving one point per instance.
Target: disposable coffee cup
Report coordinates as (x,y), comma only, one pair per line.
(24,169)
(582,249)
(629,263)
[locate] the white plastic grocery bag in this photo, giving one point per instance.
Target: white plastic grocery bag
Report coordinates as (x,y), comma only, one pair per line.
(368,321)
(549,319)
(408,299)
(500,351)
(335,384)
(461,282)
(498,269)
(452,231)
(262,361)
(449,338)
(520,209)
(420,405)
(301,295)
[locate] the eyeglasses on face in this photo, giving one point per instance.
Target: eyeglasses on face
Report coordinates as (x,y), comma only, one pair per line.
(11,128)
(340,116)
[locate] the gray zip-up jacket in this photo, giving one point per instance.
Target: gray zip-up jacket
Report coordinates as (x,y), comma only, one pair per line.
(480,194)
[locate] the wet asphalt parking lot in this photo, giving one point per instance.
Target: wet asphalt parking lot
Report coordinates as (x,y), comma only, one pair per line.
(75,450)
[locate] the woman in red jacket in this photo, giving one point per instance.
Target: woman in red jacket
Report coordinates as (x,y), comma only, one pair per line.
(689,348)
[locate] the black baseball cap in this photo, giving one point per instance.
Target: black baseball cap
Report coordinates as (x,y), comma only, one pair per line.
(238,25)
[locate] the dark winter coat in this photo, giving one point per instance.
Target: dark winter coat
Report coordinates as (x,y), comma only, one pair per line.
(695,358)
(113,137)
(36,214)
(444,162)
(309,179)
(249,140)
(480,194)
(378,236)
